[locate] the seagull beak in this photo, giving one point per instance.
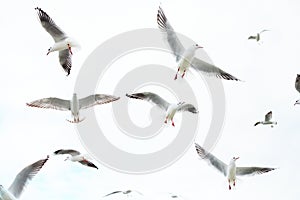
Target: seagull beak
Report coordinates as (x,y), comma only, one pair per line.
(199,47)
(237,158)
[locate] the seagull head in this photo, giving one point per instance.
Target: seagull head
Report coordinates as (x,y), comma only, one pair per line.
(297,102)
(196,46)
(235,158)
(67,158)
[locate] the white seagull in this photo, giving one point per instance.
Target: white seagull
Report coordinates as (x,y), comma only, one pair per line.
(123,192)
(186,56)
(257,36)
(76,156)
(230,171)
(21,180)
(297,86)
(74,105)
(268,118)
(170,109)
(63,43)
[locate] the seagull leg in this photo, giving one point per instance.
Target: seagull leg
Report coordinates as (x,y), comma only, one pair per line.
(166,119)
(229,184)
(234,183)
(177,73)
(69,47)
(183,73)
(173,122)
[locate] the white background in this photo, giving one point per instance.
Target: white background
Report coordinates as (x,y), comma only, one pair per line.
(222,27)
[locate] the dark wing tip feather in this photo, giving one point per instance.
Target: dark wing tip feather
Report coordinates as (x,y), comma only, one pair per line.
(201,152)
(256,123)
(136,96)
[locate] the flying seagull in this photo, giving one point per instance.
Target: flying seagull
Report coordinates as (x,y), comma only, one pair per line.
(230,171)
(268,118)
(257,36)
(63,43)
(21,180)
(170,109)
(185,57)
(74,105)
(76,156)
(123,192)
(297,86)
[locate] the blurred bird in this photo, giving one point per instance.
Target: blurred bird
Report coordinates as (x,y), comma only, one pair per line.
(230,171)
(123,192)
(74,105)
(21,180)
(268,118)
(186,57)
(76,156)
(257,37)
(63,43)
(170,109)
(297,86)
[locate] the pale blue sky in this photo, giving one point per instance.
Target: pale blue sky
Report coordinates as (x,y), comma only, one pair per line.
(222,28)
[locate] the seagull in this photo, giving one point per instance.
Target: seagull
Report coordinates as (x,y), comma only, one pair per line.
(267,121)
(186,57)
(297,86)
(74,105)
(63,43)
(257,37)
(170,109)
(230,171)
(21,180)
(76,156)
(123,192)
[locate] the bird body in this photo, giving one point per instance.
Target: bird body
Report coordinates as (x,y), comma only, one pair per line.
(297,86)
(229,171)
(76,156)
(63,43)
(74,105)
(267,121)
(186,57)
(170,109)
(21,180)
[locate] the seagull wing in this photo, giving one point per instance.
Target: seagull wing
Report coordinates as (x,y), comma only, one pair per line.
(211,159)
(24,176)
(187,107)
(297,83)
(115,192)
(53,103)
(65,60)
(49,25)
(257,123)
(263,31)
(96,99)
(244,171)
(211,70)
(151,97)
(67,151)
(88,163)
(252,37)
(170,35)
(268,116)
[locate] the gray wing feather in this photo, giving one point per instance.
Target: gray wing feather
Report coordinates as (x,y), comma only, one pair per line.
(211,159)
(24,176)
(96,99)
(211,70)
(297,83)
(151,97)
(65,60)
(67,151)
(244,171)
(187,107)
(49,25)
(268,116)
(53,103)
(88,163)
(115,192)
(173,41)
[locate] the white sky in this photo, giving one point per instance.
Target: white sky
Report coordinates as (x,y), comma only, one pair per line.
(222,27)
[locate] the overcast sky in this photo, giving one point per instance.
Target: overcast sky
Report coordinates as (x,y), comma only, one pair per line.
(222,28)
